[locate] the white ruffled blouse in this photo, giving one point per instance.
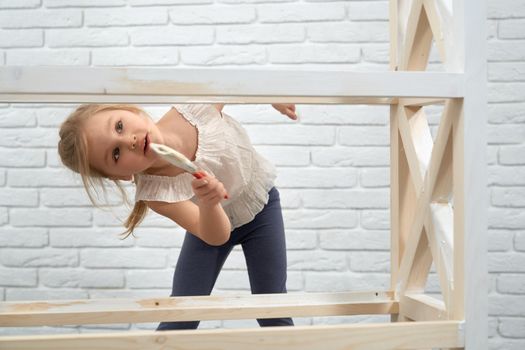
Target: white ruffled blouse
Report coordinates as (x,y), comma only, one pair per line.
(225,151)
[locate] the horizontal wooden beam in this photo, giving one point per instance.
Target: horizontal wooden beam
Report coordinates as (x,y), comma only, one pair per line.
(402,335)
(168,85)
(105,311)
(421,307)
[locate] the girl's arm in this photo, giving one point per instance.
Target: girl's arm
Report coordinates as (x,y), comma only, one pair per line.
(207,220)
(209,223)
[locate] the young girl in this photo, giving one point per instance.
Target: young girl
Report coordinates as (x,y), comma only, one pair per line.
(113,142)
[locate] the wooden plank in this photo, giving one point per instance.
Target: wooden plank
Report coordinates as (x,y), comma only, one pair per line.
(434,21)
(421,307)
(400,335)
(418,39)
(153,85)
(104,311)
(413,102)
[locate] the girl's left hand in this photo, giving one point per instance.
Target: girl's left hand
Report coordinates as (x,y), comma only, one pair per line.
(287,109)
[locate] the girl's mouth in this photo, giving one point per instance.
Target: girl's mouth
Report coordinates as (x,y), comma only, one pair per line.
(146,143)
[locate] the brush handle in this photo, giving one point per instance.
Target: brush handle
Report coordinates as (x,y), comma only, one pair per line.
(199,175)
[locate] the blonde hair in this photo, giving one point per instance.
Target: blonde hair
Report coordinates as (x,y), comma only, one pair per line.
(74,153)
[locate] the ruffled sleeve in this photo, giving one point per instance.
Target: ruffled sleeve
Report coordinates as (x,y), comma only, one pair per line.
(198,114)
(163,188)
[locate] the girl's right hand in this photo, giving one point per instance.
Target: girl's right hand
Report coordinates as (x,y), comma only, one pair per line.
(208,190)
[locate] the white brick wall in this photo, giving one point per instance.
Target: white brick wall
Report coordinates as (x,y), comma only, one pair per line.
(333,165)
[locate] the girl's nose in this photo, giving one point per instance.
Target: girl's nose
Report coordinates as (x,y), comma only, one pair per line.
(134,142)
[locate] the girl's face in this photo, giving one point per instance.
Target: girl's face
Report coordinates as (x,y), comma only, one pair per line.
(118,143)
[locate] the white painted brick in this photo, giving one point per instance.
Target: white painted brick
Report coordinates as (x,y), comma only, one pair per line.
(47,57)
(38,178)
(506,71)
(150,56)
(512,155)
(500,240)
(2,177)
(15,137)
(15,197)
(301,239)
(13,277)
(216,55)
(508,50)
(364,136)
(233,280)
(377,53)
(512,327)
(260,34)
(2,58)
(506,92)
(235,260)
(351,156)
(320,219)
(344,114)
(493,327)
(317,177)
(41,19)
(167,2)
(26,237)
(317,260)
(29,158)
(81,278)
(129,294)
(492,154)
(513,197)
(83,3)
(369,261)
(17,117)
(519,241)
(290,199)
(506,218)
(506,343)
(53,159)
(87,237)
(141,279)
(510,283)
(512,29)
(354,240)
(288,54)
(21,38)
(53,116)
(300,12)
(17,4)
(123,258)
(285,156)
(70,197)
(212,15)
(20,294)
(291,135)
(503,9)
(506,305)
(169,36)
(3,216)
(347,32)
(506,262)
(379,177)
(345,281)
(368,10)
(506,176)
(50,217)
(39,257)
(505,134)
(87,37)
(119,17)
(375,219)
(337,198)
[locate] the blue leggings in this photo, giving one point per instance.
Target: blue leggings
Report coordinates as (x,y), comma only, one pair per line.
(264,247)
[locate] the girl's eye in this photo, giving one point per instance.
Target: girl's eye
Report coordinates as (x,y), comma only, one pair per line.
(119,126)
(116,154)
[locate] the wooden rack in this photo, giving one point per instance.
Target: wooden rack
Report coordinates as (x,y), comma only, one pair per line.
(438,195)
